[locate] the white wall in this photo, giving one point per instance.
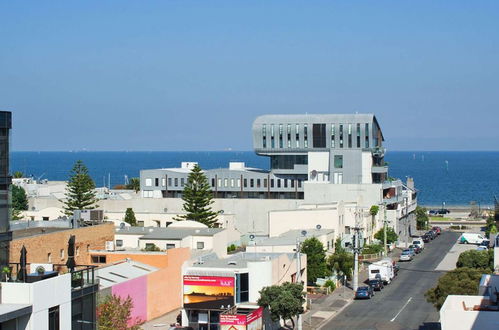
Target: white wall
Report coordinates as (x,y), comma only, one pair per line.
(319,162)
(283,221)
(364,194)
(259,276)
(453,316)
(129,241)
(367,163)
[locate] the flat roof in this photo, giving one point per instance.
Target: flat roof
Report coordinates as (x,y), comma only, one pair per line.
(121,272)
(289,237)
(240,260)
(178,233)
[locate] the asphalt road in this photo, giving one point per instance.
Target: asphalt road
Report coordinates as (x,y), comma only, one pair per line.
(401,305)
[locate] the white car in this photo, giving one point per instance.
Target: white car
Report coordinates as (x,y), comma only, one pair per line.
(419,242)
(405,257)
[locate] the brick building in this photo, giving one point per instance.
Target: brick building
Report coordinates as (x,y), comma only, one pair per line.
(50,245)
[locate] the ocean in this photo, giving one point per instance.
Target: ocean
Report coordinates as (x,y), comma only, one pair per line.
(453,178)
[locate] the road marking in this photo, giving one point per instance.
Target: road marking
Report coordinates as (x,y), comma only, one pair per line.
(400,311)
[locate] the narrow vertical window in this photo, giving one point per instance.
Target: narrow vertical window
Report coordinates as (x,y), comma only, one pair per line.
(305,136)
(358,135)
(252,183)
(289,135)
(341,136)
(332,136)
(271,183)
(281,144)
(349,135)
(232,183)
(367,135)
(272,141)
(264,136)
(297,135)
(264,183)
(258,183)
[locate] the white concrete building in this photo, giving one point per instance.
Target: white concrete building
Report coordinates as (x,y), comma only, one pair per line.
(468,313)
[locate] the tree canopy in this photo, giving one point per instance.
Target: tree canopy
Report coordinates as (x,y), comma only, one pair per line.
(421,218)
(374,210)
(80,194)
(475,259)
(316,259)
(284,301)
(133,183)
(130,217)
(460,281)
(391,236)
(115,313)
(341,261)
(19,201)
(18,175)
(197,198)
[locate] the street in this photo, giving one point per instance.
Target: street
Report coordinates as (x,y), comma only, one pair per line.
(401,305)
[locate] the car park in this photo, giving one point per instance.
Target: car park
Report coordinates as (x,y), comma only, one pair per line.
(377,285)
(364,292)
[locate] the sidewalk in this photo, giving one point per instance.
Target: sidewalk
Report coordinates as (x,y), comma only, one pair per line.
(324,308)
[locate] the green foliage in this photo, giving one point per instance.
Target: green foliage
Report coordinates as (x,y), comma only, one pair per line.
(421,218)
(458,227)
(372,249)
(231,248)
(391,236)
(474,259)
(460,281)
(18,175)
(19,201)
(197,198)
(284,301)
(316,259)
(115,313)
(341,261)
(80,194)
(134,184)
(130,217)
(374,210)
(151,248)
(491,226)
(330,284)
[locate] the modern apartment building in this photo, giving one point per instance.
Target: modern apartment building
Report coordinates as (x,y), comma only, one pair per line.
(5,181)
(333,148)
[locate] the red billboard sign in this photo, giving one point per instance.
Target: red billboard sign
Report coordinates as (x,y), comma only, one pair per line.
(208,292)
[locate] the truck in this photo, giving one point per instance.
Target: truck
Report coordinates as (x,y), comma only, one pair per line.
(383,270)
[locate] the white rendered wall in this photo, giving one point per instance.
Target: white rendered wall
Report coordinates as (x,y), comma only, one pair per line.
(453,316)
(259,276)
(318,161)
(367,163)
(129,241)
(283,221)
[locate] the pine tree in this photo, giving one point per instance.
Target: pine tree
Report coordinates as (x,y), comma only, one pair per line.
(197,198)
(19,202)
(130,217)
(80,194)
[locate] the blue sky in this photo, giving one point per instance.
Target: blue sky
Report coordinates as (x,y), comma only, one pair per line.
(192,75)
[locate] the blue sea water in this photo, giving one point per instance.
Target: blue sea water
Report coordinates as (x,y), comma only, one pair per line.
(455,178)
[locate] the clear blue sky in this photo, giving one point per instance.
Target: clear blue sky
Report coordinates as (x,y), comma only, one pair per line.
(192,75)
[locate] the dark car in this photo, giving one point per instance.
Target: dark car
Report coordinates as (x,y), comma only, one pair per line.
(364,292)
(431,234)
(426,238)
(416,248)
(377,285)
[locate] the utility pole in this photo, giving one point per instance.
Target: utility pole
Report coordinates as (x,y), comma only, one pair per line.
(384,229)
(298,273)
(356,250)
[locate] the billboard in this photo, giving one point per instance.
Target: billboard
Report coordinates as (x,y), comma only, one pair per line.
(251,321)
(208,292)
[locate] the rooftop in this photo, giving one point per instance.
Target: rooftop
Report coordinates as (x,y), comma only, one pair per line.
(289,237)
(122,271)
(240,260)
(167,233)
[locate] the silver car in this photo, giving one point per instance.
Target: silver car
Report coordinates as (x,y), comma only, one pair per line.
(405,257)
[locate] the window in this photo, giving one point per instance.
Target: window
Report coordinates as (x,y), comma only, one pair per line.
(319,135)
(199,245)
(99,259)
(271,183)
(182,182)
(232,183)
(61,253)
(289,135)
(265,183)
(280,136)
(341,136)
(163,182)
(45,218)
(358,135)
(170,182)
(278,183)
(140,223)
(258,183)
(156,182)
(226,182)
(349,135)
(238,183)
(219,182)
(292,183)
(49,257)
(88,247)
(338,161)
(305,136)
(242,287)
(285,183)
(170,246)
(332,136)
(176,182)
(213,182)
(150,246)
(119,242)
(272,141)
(148,182)
(245,183)
(77,251)
(299,183)
(367,135)
(264,136)
(297,135)
(252,183)
(54,318)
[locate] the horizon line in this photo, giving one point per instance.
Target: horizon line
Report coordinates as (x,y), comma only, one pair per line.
(226,150)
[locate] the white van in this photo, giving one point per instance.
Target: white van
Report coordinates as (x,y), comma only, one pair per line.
(471,238)
(382,270)
(418,242)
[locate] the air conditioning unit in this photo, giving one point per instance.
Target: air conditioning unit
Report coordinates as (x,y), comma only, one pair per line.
(109,246)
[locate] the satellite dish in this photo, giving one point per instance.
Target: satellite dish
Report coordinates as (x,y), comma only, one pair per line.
(304,232)
(313,174)
(122,225)
(252,237)
(318,227)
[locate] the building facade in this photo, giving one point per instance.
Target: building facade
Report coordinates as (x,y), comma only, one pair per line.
(5,181)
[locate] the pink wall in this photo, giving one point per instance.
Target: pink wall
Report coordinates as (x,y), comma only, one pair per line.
(137,290)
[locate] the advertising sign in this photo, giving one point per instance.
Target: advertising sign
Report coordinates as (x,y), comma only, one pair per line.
(251,321)
(208,292)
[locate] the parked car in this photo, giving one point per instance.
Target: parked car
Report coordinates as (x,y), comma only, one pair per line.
(406,255)
(431,234)
(482,248)
(416,248)
(364,292)
(412,251)
(419,242)
(426,238)
(377,285)
(438,230)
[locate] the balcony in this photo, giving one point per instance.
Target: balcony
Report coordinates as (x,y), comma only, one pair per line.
(379,169)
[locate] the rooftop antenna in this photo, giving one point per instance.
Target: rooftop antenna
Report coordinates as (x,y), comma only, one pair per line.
(126,179)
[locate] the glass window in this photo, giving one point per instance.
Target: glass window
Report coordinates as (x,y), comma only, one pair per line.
(54,319)
(182,182)
(297,135)
(264,136)
(338,161)
(358,135)
(170,246)
(299,183)
(219,182)
(319,135)
(119,242)
(341,136)
(226,182)
(199,245)
(170,182)
(156,182)
(258,183)
(289,135)
(252,183)
(271,183)
(349,135)
(232,183)
(367,135)
(245,183)
(278,183)
(140,223)
(265,183)
(292,183)
(163,182)
(62,254)
(272,140)
(213,182)
(285,183)
(332,136)
(176,182)
(280,136)
(305,136)
(148,182)
(238,183)
(49,257)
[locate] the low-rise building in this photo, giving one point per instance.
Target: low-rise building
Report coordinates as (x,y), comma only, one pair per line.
(286,242)
(468,312)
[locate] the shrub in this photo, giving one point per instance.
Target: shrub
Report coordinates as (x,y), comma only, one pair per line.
(330,284)
(372,249)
